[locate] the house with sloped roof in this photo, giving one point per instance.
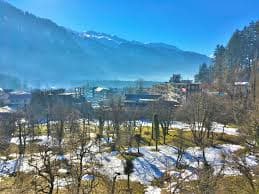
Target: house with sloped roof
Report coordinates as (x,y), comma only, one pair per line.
(140,100)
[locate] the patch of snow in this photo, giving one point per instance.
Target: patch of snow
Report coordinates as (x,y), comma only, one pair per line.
(62,171)
(111,164)
(6,109)
(95,36)
(41,140)
(100,89)
(241,83)
(19,93)
(147,124)
(218,128)
(61,157)
(180,125)
(26,167)
(88,177)
(106,140)
(7,167)
(251,160)
(14,140)
(62,182)
(152,190)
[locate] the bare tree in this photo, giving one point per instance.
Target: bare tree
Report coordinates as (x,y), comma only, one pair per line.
(138,140)
(82,161)
(200,112)
(225,115)
(180,146)
(22,131)
(60,114)
(250,135)
(165,111)
(116,115)
(45,164)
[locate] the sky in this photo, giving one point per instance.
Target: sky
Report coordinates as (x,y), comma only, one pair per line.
(194,25)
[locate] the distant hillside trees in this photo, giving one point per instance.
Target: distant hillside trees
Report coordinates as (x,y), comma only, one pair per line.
(233,62)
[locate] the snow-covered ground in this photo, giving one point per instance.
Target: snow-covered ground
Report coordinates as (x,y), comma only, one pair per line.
(152,165)
(7,167)
(216,127)
(41,140)
(152,190)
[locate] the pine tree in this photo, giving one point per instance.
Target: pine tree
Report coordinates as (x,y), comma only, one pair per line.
(204,74)
(219,67)
(235,61)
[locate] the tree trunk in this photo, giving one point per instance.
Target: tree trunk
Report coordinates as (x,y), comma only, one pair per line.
(113,185)
(223,131)
(152,132)
(88,119)
(51,188)
(78,186)
(61,132)
(80,175)
(128,182)
(48,126)
(156,145)
(204,157)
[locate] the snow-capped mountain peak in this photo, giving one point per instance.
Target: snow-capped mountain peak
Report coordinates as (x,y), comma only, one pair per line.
(97,36)
(104,38)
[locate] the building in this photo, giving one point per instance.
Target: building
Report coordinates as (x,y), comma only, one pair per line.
(140,100)
(241,89)
(19,99)
(187,81)
(98,95)
(188,89)
(184,87)
(176,78)
(6,111)
(54,96)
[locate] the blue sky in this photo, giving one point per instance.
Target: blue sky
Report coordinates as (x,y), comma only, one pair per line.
(196,25)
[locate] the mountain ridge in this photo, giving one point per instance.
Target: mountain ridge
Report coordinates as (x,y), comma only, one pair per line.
(35,48)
